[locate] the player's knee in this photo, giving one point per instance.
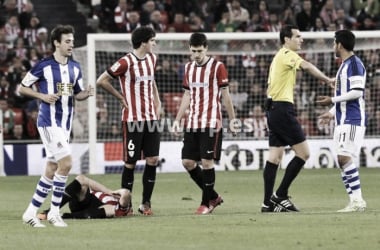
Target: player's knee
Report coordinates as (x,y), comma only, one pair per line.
(305,156)
(152,161)
(188,164)
(129,165)
(343,161)
(207,164)
(64,165)
(81,179)
(275,159)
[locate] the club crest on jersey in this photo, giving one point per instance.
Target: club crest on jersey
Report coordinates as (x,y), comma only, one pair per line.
(64,89)
(59,145)
(199,84)
(131,153)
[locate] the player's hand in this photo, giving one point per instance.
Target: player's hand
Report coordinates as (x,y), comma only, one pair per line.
(117,193)
(324,100)
(123,103)
(50,98)
(331,82)
(158,111)
(235,126)
(325,118)
(177,128)
(90,90)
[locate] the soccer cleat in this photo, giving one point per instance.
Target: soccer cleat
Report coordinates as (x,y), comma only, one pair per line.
(214,203)
(283,203)
(32,220)
(202,209)
(272,209)
(56,220)
(354,206)
(266,209)
(145,209)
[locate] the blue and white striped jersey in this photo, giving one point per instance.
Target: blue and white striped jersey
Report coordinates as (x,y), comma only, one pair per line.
(52,77)
(351,75)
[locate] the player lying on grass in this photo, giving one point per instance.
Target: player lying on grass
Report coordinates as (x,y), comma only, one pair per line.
(89,199)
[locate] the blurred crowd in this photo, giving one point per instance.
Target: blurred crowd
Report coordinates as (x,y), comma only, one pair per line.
(24,40)
(233,15)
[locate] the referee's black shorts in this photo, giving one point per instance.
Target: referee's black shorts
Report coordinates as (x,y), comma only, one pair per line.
(284,128)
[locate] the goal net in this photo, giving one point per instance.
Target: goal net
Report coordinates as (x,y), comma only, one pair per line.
(247,57)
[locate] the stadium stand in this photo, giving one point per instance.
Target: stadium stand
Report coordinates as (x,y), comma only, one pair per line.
(19,39)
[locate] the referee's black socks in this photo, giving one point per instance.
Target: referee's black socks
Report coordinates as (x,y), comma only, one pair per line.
(269,175)
(291,172)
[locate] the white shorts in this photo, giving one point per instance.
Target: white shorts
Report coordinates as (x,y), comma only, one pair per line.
(349,139)
(56,142)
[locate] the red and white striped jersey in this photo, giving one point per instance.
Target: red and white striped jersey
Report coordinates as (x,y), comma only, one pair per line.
(204,83)
(136,78)
(105,198)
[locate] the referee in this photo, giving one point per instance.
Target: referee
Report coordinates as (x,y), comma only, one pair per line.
(284,129)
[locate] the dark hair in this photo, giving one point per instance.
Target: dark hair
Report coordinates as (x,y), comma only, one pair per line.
(346,38)
(286,31)
(142,35)
(56,33)
(198,39)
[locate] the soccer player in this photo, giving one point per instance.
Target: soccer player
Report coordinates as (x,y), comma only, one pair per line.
(140,110)
(89,199)
(205,83)
(59,80)
(284,129)
(350,118)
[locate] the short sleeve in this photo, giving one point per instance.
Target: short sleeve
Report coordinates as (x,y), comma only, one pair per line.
(222,76)
(293,60)
(118,68)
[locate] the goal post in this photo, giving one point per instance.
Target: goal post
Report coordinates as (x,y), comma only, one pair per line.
(91,74)
(104,49)
(2,170)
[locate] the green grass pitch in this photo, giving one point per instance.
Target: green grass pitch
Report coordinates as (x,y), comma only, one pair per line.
(237,224)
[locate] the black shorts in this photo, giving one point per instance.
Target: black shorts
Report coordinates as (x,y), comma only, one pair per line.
(139,138)
(284,128)
(203,143)
(89,202)
(88,208)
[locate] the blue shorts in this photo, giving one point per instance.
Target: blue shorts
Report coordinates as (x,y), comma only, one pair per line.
(284,128)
